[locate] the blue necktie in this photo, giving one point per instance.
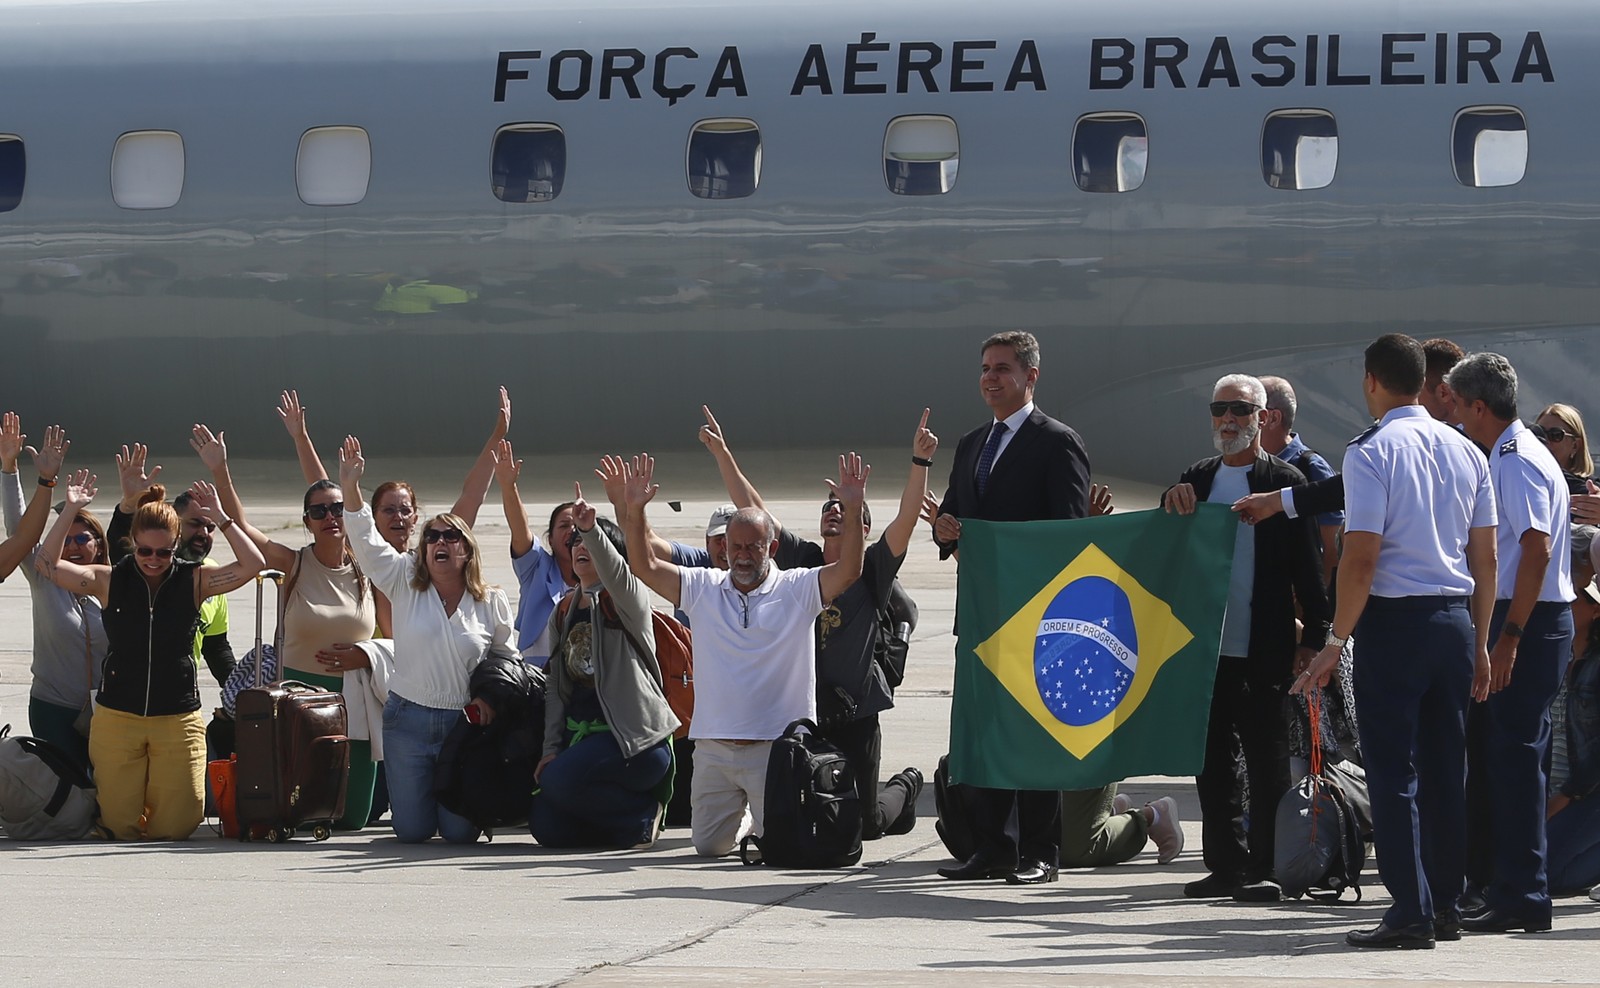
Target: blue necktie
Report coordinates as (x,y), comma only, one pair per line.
(986,458)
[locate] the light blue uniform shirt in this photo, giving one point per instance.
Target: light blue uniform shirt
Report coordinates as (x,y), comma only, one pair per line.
(1422,486)
(1230,485)
(1531,493)
(540,584)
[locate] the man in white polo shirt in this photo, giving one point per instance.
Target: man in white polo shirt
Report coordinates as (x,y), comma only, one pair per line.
(754,651)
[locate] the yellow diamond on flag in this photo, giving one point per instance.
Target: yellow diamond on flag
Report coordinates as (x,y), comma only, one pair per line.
(1081,655)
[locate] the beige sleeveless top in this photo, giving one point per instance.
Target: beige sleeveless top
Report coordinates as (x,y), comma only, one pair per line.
(324,609)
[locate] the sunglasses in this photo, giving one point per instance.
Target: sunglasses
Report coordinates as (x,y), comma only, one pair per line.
(1553,433)
(82,538)
(145,552)
(1239,409)
(832,503)
(449,535)
(317,512)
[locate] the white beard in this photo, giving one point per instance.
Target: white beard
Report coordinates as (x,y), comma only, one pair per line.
(1240,442)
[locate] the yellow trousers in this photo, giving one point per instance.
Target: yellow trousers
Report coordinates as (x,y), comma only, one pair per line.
(150,772)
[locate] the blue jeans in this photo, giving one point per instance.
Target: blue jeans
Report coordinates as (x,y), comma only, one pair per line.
(412,737)
(590,796)
(1575,847)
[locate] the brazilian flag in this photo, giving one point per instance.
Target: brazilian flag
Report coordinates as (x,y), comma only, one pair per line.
(1088,648)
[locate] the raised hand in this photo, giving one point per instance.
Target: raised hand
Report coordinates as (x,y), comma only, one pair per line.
(212,449)
(131,472)
(292,413)
(851,487)
(507,468)
(924,443)
(48,460)
(80,490)
(11,440)
(583,513)
(1099,500)
(639,485)
(502,422)
(351,463)
(611,472)
(711,433)
(204,497)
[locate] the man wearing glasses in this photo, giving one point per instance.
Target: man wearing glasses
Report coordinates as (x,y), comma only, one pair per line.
(1275,564)
(754,652)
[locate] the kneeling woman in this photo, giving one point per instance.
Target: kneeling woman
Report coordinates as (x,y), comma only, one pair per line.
(147,739)
(604,778)
(445,622)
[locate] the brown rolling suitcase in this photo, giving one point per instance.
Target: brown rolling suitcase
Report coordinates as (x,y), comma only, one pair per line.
(294,755)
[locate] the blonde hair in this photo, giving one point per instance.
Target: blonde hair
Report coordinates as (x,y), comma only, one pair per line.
(422,580)
(154,514)
(1582,460)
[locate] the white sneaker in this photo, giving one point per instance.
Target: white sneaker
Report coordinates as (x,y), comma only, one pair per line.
(1166,832)
(1594,893)
(1121,804)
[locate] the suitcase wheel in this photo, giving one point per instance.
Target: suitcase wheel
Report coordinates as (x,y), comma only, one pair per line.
(321,832)
(275,835)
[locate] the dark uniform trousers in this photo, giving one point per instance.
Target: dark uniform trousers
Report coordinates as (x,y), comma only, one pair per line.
(884,809)
(1508,747)
(1413,681)
(1248,719)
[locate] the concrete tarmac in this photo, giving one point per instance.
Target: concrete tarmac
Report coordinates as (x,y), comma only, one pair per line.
(363,909)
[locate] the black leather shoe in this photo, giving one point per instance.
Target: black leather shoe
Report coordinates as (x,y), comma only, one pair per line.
(1212,887)
(1495,921)
(912,780)
(975,869)
(1407,938)
(1034,873)
(1447,929)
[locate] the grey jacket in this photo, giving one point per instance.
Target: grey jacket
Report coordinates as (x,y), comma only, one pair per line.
(628,683)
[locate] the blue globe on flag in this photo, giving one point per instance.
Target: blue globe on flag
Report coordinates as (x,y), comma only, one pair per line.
(1085,651)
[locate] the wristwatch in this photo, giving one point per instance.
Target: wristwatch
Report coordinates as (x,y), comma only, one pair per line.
(1336,641)
(1511,629)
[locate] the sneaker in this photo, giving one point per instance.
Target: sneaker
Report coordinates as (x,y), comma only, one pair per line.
(1121,804)
(1263,891)
(1166,832)
(1594,893)
(653,834)
(1211,887)
(911,779)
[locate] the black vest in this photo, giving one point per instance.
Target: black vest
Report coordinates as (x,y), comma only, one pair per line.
(150,667)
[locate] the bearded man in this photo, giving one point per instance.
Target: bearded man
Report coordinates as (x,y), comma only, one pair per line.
(1275,564)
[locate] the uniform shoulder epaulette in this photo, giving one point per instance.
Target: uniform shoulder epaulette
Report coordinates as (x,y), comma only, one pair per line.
(1509,446)
(1357,441)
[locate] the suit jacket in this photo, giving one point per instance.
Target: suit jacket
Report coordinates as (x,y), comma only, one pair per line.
(1043,474)
(1320,496)
(1288,564)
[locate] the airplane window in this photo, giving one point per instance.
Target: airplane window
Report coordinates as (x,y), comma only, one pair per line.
(724,159)
(1490,145)
(147,169)
(920,155)
(333,166)
(1299,149)
(1109,152)
(13,171)
(529,162)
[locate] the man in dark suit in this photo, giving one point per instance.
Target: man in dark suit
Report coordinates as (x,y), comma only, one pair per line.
(1275,565)
(1021,466)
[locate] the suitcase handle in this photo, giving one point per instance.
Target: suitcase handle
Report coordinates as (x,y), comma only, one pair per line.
(276,576)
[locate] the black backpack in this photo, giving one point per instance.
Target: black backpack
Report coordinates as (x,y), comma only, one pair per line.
(813,814)
(897,619)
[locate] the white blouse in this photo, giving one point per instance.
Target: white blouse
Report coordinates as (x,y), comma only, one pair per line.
(434,653)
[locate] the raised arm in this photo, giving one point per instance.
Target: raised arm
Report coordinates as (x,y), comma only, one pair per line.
(83,580)
(390,571)
(740,491)
(213,452)
(851,490)
(28,528)
(293,415)
(638,488)
(923,445)
(476,487)
(211,581)
(627,591)
(507,470)
(131,475)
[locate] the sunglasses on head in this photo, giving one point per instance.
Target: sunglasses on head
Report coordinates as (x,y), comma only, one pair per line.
(449,535)
(146,552)
(317,512)
(82,538)
(1552,433)
(1239,408)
